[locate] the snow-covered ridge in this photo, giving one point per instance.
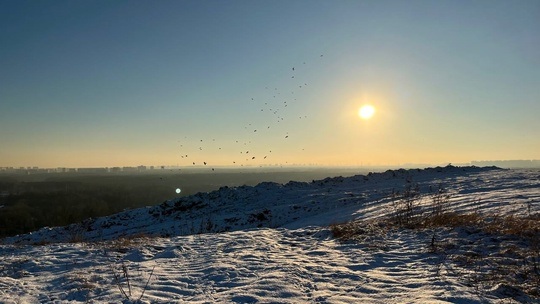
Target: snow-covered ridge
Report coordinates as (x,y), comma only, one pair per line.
(268,204)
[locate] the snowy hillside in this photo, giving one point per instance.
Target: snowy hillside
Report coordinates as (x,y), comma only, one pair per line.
(271,244)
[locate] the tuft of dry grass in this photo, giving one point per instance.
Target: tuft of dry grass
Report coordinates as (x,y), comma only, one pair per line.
(346,231)
(371,233)
(358,230)
(528,227)
(125,243)
(451,220)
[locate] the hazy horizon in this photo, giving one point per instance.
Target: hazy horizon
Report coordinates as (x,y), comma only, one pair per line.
(510,164)
(243,83)
(204,168)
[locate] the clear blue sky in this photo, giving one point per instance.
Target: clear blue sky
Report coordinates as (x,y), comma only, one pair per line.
(122,83)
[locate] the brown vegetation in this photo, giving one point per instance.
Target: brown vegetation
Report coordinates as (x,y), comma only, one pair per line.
(495,251)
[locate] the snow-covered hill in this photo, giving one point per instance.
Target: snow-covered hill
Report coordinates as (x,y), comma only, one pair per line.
(269,244)
(272,205)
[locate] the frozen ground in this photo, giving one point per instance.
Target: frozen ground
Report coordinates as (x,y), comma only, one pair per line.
(271,244)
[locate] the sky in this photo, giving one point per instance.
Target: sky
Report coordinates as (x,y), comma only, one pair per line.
(267,83)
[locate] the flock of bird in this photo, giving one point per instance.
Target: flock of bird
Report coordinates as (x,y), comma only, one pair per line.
(273,117)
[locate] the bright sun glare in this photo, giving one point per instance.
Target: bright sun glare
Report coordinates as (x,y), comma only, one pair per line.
(366,111)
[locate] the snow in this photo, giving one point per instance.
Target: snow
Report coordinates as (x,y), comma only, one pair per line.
(271,244)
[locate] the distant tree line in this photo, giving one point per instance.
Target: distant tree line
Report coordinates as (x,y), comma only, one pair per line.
(28,206)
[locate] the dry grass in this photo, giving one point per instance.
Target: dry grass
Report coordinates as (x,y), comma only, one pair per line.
(358,230)
(528,227)
(451,220)
(129,242)
(125,243)
(504,257)
(525,227)
(347,231)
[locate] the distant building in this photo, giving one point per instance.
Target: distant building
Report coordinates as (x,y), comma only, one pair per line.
(92,170)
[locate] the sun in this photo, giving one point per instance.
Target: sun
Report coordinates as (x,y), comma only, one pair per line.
(366,111)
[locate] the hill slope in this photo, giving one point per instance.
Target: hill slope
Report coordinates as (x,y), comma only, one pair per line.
(273,245)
